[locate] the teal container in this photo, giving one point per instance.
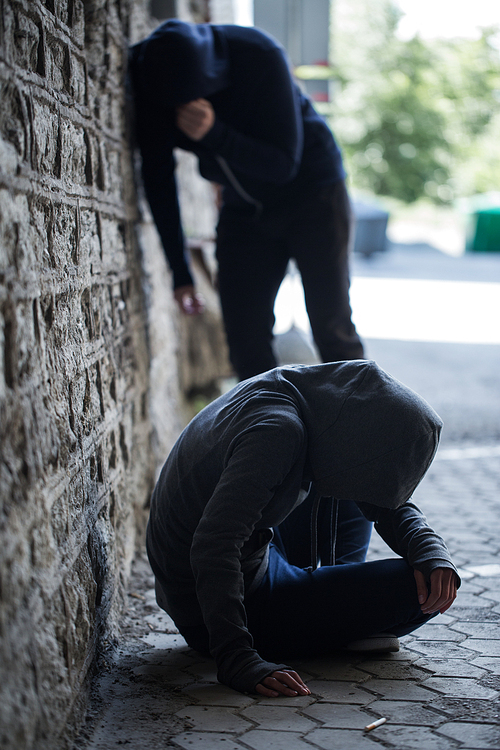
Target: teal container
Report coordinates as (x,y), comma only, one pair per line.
(483,231)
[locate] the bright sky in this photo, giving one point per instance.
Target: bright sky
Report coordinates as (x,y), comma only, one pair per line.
(430,18)
(446,18)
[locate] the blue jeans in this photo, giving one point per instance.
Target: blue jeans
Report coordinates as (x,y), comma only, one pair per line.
(303,613)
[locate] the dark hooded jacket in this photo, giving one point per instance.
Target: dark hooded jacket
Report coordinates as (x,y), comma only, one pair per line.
(238,470)
(267,144)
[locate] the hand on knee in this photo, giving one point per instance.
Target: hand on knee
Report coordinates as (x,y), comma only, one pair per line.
(441,592)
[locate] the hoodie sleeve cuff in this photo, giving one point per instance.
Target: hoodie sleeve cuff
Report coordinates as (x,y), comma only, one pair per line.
(215,137)
(427,566)
(246,679)
(182,277)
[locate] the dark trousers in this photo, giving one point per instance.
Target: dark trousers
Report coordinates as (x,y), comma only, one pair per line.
(253,251)
(302,613)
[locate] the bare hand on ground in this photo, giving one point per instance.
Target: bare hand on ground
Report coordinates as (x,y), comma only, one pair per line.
(189,301)
(195,118)
(283,682)
(443,590)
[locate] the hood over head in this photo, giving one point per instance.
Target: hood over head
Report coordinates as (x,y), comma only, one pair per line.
(181,61)
(370,438)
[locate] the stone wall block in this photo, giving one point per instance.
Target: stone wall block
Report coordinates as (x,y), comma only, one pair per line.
(88,311)
(58,64)
(43,549)
(116,116)
(17,254)
(64,236)
(57,403)
(40,212)
(3,385)
(71,13)
(93,164)
(107,385)
(14,470)
(14,129)
(103,110)
(90,241)
(113,176)
(41,438)
(16,569)
(114,64)
(107,311)
(73,150)
(59,521)
(80,591)
(28,44)
(91,404)
(76,501)
(51,655)
(113,243)
(22,344)
(46,143)
(77,21)
(78,80)
(50,6)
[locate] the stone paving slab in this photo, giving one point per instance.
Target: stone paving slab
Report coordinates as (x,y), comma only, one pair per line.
(339,716)
(473,735)
(414,738)
(441,691)
(407,713)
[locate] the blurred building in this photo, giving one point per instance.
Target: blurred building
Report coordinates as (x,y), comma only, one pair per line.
(303,28)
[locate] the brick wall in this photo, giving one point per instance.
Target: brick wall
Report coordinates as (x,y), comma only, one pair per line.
(89,380)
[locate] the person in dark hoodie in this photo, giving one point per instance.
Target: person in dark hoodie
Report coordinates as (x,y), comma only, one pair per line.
(226,94)
(242,472)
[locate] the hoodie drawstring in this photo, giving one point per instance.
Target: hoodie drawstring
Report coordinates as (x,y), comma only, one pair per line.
(237,186)
(332,529)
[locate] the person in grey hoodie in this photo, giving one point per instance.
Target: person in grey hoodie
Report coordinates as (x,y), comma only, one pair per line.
(285,440)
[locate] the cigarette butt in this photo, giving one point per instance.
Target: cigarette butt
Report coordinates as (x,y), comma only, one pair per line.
(375,724)
(137,596)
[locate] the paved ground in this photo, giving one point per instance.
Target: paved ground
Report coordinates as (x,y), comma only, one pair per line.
(441,691)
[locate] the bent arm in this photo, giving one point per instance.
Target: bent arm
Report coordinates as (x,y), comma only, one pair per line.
(406,531)
(156,143)
(275,155)
(258,464)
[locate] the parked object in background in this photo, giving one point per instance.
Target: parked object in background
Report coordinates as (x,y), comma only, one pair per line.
(483,223)
(370,226)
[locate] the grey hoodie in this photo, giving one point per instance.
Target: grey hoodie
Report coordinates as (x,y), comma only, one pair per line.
(237,470)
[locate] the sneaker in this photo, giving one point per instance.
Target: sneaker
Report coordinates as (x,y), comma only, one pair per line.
(379,642)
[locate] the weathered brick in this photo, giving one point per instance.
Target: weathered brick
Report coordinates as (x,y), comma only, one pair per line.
(90,241)
(63,242)
(28,43)
(73,153)
(17,253)
(46,144)
(14,133)
(113,243)
(78,80)
(58,64)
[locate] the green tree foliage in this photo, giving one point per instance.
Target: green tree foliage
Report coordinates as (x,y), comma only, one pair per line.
(415,118)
